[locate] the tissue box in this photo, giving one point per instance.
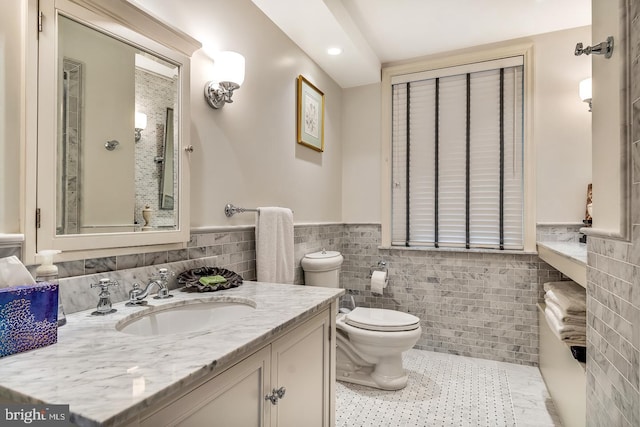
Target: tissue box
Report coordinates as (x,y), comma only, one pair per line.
(28,317)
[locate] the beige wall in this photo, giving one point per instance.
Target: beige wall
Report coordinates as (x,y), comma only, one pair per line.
(361,154)
(246,153)
(106,194)
(562,126)
(11,113)
(561,132)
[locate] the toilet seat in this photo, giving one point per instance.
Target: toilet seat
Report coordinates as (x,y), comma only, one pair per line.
(381,320)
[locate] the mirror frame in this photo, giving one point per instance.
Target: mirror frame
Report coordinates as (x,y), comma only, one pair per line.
(135,26)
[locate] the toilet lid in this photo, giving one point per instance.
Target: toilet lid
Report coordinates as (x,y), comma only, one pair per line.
(378,319)
(323,254)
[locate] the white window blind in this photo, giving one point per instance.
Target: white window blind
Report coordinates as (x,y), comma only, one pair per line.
(457,148)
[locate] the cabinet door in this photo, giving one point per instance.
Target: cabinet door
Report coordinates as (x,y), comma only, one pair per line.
(300,363)
(234,398)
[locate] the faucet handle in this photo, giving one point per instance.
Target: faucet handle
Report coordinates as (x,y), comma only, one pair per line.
(104,302)
(104,284)
(165,273)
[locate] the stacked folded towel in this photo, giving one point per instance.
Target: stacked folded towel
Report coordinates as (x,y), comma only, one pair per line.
(566,311)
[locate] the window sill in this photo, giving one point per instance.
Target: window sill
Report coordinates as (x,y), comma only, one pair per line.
(459,250)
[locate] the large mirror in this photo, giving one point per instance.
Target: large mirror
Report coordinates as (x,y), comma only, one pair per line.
(112,107)
(116,115)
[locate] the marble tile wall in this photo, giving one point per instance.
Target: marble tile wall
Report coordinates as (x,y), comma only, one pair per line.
(473,304)
(77,295)
(613,342)
(10,249)
(74,72)
(470,303)
(558,232)
(613,292)
(314,238)
(154,94)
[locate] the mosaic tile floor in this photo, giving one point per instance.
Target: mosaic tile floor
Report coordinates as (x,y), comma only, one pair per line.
(446,391)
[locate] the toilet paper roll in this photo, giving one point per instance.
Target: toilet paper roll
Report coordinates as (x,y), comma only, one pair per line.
(378,281)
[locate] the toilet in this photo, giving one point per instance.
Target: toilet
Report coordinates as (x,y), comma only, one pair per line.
(370,341)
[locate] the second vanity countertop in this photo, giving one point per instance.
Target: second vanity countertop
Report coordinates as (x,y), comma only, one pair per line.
(573,250)
(570,258)
(107,376)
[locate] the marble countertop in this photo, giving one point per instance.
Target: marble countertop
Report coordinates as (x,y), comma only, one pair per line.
(107,376)
(575,251)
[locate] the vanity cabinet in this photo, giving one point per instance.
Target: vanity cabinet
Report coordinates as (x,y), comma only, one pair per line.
(563,375)
(299,362)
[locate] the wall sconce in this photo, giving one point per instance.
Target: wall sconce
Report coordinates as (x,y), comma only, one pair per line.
(228,76)
(140,125)
(585,91)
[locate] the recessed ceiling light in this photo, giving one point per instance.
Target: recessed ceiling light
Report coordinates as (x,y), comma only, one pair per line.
(334,51)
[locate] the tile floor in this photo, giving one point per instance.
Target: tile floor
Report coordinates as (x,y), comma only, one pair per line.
(446,391)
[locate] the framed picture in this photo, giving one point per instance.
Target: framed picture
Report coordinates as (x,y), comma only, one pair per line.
(310,115)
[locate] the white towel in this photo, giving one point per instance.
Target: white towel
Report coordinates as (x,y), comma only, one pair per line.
(564,317)
(274,245)
(573,335)
(570,296)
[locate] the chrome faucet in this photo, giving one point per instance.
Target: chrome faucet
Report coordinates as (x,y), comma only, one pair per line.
(137,295)
(104,303)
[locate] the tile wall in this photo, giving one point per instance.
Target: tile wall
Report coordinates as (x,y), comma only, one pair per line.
(470,303)
(558,232)
(154,94)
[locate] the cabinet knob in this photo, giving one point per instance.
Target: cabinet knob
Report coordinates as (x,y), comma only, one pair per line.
(272,397)
(275,395)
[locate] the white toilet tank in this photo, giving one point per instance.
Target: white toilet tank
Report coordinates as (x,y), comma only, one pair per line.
(322,268)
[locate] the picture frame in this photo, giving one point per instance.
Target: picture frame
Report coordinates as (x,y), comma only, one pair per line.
(310,115)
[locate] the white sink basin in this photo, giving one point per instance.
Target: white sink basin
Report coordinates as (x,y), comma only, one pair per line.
(186,317)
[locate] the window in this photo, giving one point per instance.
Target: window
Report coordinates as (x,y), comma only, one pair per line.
(457,164)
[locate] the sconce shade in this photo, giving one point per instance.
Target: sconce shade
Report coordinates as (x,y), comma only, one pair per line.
(228,75)
(140,121)
(229,68)
(140,125)
(585,90)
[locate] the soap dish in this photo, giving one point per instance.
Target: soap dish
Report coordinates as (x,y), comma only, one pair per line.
(191,279)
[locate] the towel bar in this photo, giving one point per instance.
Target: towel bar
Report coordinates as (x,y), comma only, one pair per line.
(230,210)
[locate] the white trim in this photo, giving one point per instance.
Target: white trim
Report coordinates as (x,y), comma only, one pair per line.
(11,238)
(247,227)
(221,229)
(142,30)
(512,61)
(559,224)
(458,250)
(136,17)
(389,72)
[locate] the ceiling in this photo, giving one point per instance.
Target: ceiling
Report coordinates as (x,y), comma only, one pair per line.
(374,32)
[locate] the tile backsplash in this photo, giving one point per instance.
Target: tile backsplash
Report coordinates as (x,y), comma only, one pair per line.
(558,232)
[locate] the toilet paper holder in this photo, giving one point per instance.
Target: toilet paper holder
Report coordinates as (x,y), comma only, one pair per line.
(381,266)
